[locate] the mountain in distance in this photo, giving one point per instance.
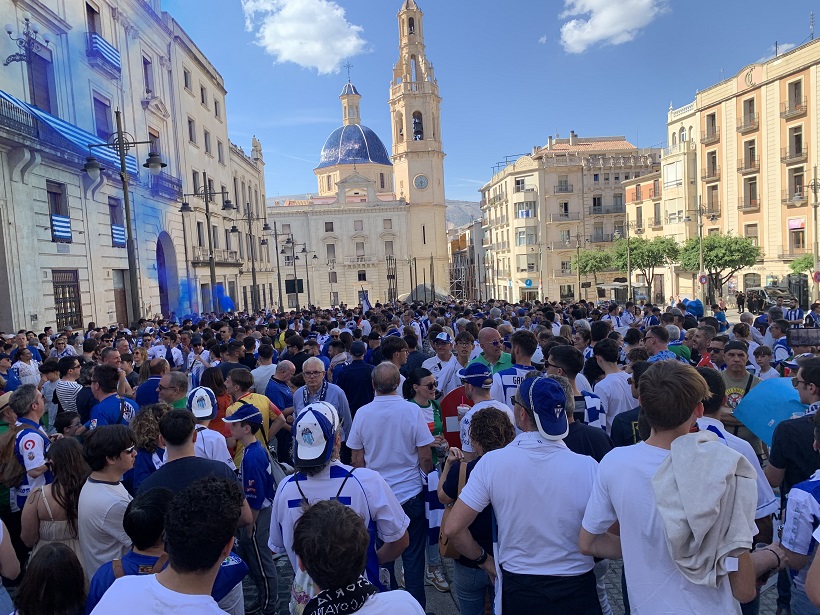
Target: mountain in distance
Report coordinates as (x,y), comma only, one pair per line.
(460,213)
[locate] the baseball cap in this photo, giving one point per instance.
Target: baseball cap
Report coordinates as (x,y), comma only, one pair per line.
(5,355)
(148,331)
(314,433)
(202,403)
(792,362)
(538,356)
(477,374)
(245,412)
(443,337)
(546,399)
(373,335)
(358,349)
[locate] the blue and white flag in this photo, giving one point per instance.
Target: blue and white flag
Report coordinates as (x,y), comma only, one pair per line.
(365,301)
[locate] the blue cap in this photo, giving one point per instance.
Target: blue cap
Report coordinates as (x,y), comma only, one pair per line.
(443,337)
(392,333)
(546,399)
(202,403)
(791,363)
(477,374)
(246,412)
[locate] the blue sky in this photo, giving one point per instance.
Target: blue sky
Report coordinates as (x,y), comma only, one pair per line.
(510,74)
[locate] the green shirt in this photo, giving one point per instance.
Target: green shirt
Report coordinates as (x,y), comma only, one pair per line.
(503,363)
(438,425)
(681,350)
(180,403)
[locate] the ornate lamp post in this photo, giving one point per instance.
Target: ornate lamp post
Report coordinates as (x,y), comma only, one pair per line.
(29,43)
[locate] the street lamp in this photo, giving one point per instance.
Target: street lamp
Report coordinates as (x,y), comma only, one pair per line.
(701,211)
(121,142)
(208,195)
(617,235)
(305,251)
(29,43)
(265,228)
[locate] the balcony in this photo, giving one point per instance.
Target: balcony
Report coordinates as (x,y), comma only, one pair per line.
(485,222)
(789,254)
(569,244)
(600,238)
(746,204)
(531,268)
(749,164)
(748,123)
(793,108)
(60,229)
(486,242)
(795,153)
(221,257)
(609,209)
(655,222)
(361,260)
(17,119)
(166,185)
(710,135)
(117,236)
(710,173)
(565,217)
(562,273)
(525,193)
(103,56)
(712,210)
(792,198)
(562,189)
(498,198)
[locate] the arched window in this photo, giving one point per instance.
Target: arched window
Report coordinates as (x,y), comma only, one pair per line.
(412,68)
(418,127)
(683,135)
(399,127)
(674,139)
(411,25)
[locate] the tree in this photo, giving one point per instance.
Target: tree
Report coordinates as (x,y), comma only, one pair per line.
(723,257)
(803,264)
(645,255)
(591,262)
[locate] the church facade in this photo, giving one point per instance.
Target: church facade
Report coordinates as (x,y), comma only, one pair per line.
(376,226)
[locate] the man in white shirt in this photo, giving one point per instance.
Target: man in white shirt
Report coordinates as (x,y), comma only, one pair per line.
(671,395)
(477,379)
(507,381)
(390,435)
(199,535)
(444,365)
(614,390)
(265,369)
(540,567)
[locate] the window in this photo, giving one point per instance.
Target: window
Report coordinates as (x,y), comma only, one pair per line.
(519,185)
(388,248)
(359,250)
(215,235)
(195,179)
(618,199)
(750,192)
(286,229)
(711,126)
(200,234)
(153,137)
(211,189)
(217,109)
(224,192)
(626,176)
(220,151)
(147,76)
(418,126)
(566,265)
(748,111)
(191,130)
(657,207)
(358,225)
(328,227)
(203,96)
(639,217)
(565,236)
(67,298)
(797,239)
(423,234)
(750,231)
(617,177)
(525,209)
(115,211)
(381,181)
(92,19)
(595,177)
(796,180)
(795,141)
(521,237)
(361,275)
(186,79)
(387,224)
(228,240)
(207,140)
(597,202)
(331,251)
(563,209)
(638,195)
(42,76)
(57,203)
(332,278)
(795,94)
(102,118)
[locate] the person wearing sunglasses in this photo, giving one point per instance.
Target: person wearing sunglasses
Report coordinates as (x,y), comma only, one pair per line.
(492,350)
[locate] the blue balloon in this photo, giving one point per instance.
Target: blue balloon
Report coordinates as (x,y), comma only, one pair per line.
(770,402)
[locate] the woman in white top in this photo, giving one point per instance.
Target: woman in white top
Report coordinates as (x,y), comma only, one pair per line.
(27,368)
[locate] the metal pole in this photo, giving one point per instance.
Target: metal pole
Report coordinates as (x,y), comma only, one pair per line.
(278,268)
(700,251)
(307,276)
(814,188)
(628,264)
(133,273)
(187,270)
(578,260)
(416,272)
(254,293)
(295,275)
(211,262)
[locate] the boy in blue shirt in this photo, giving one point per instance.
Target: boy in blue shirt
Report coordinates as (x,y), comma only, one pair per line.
(256,474)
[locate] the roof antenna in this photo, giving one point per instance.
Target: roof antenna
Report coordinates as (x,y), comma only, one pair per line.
(348,66)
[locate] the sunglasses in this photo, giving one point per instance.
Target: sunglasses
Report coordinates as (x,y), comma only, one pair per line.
(514,399)
(796,382)
(715,350)
(130,449)
(431,386)
(164,388)
(313,373)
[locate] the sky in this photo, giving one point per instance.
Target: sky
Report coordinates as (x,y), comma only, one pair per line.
(510,74)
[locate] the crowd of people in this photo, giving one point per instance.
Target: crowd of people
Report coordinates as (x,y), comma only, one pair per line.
(158,467)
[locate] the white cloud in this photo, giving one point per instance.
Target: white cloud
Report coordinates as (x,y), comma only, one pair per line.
(780,50)
(605,21)
(310,33)
(543,40)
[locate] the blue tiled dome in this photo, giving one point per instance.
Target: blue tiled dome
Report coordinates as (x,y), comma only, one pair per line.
(354,144)
(349,89)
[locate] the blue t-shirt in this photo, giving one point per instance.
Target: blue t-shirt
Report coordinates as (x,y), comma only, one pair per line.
(107,412)
(231,572)
(12,381)
(257,476)
(279,393)
(147,393)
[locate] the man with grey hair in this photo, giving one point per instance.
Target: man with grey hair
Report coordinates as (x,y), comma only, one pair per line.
(321,476)
(676,344)
(764,322)
(391,436)
(31,442)
(749,319)
(318,389)
(173,389)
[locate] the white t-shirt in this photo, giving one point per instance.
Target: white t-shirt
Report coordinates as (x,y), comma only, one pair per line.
(616,396)
(210,444)
(143,594)
(464,424)
(623,492)
(507,381)
(398,602)
(539,519)
(390,430)
(446,372)
(261,377)
(772,373)
(100,511)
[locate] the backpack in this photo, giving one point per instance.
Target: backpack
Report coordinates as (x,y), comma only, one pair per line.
(11,470)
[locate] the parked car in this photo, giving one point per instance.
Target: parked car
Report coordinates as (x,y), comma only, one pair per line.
(769,295)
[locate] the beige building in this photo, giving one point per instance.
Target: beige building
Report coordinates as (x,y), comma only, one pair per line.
(540,210)
(377,224)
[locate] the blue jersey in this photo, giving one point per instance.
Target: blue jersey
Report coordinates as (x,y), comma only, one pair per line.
(113,410)
(257,476)
(507,381)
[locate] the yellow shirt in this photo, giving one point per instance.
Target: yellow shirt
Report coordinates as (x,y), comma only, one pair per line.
(263,404)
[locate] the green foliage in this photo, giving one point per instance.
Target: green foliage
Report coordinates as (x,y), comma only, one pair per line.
(645,255)
(592,261)
(803,264)
(723,256)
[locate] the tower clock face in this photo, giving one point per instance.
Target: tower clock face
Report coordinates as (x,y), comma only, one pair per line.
(420,182)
